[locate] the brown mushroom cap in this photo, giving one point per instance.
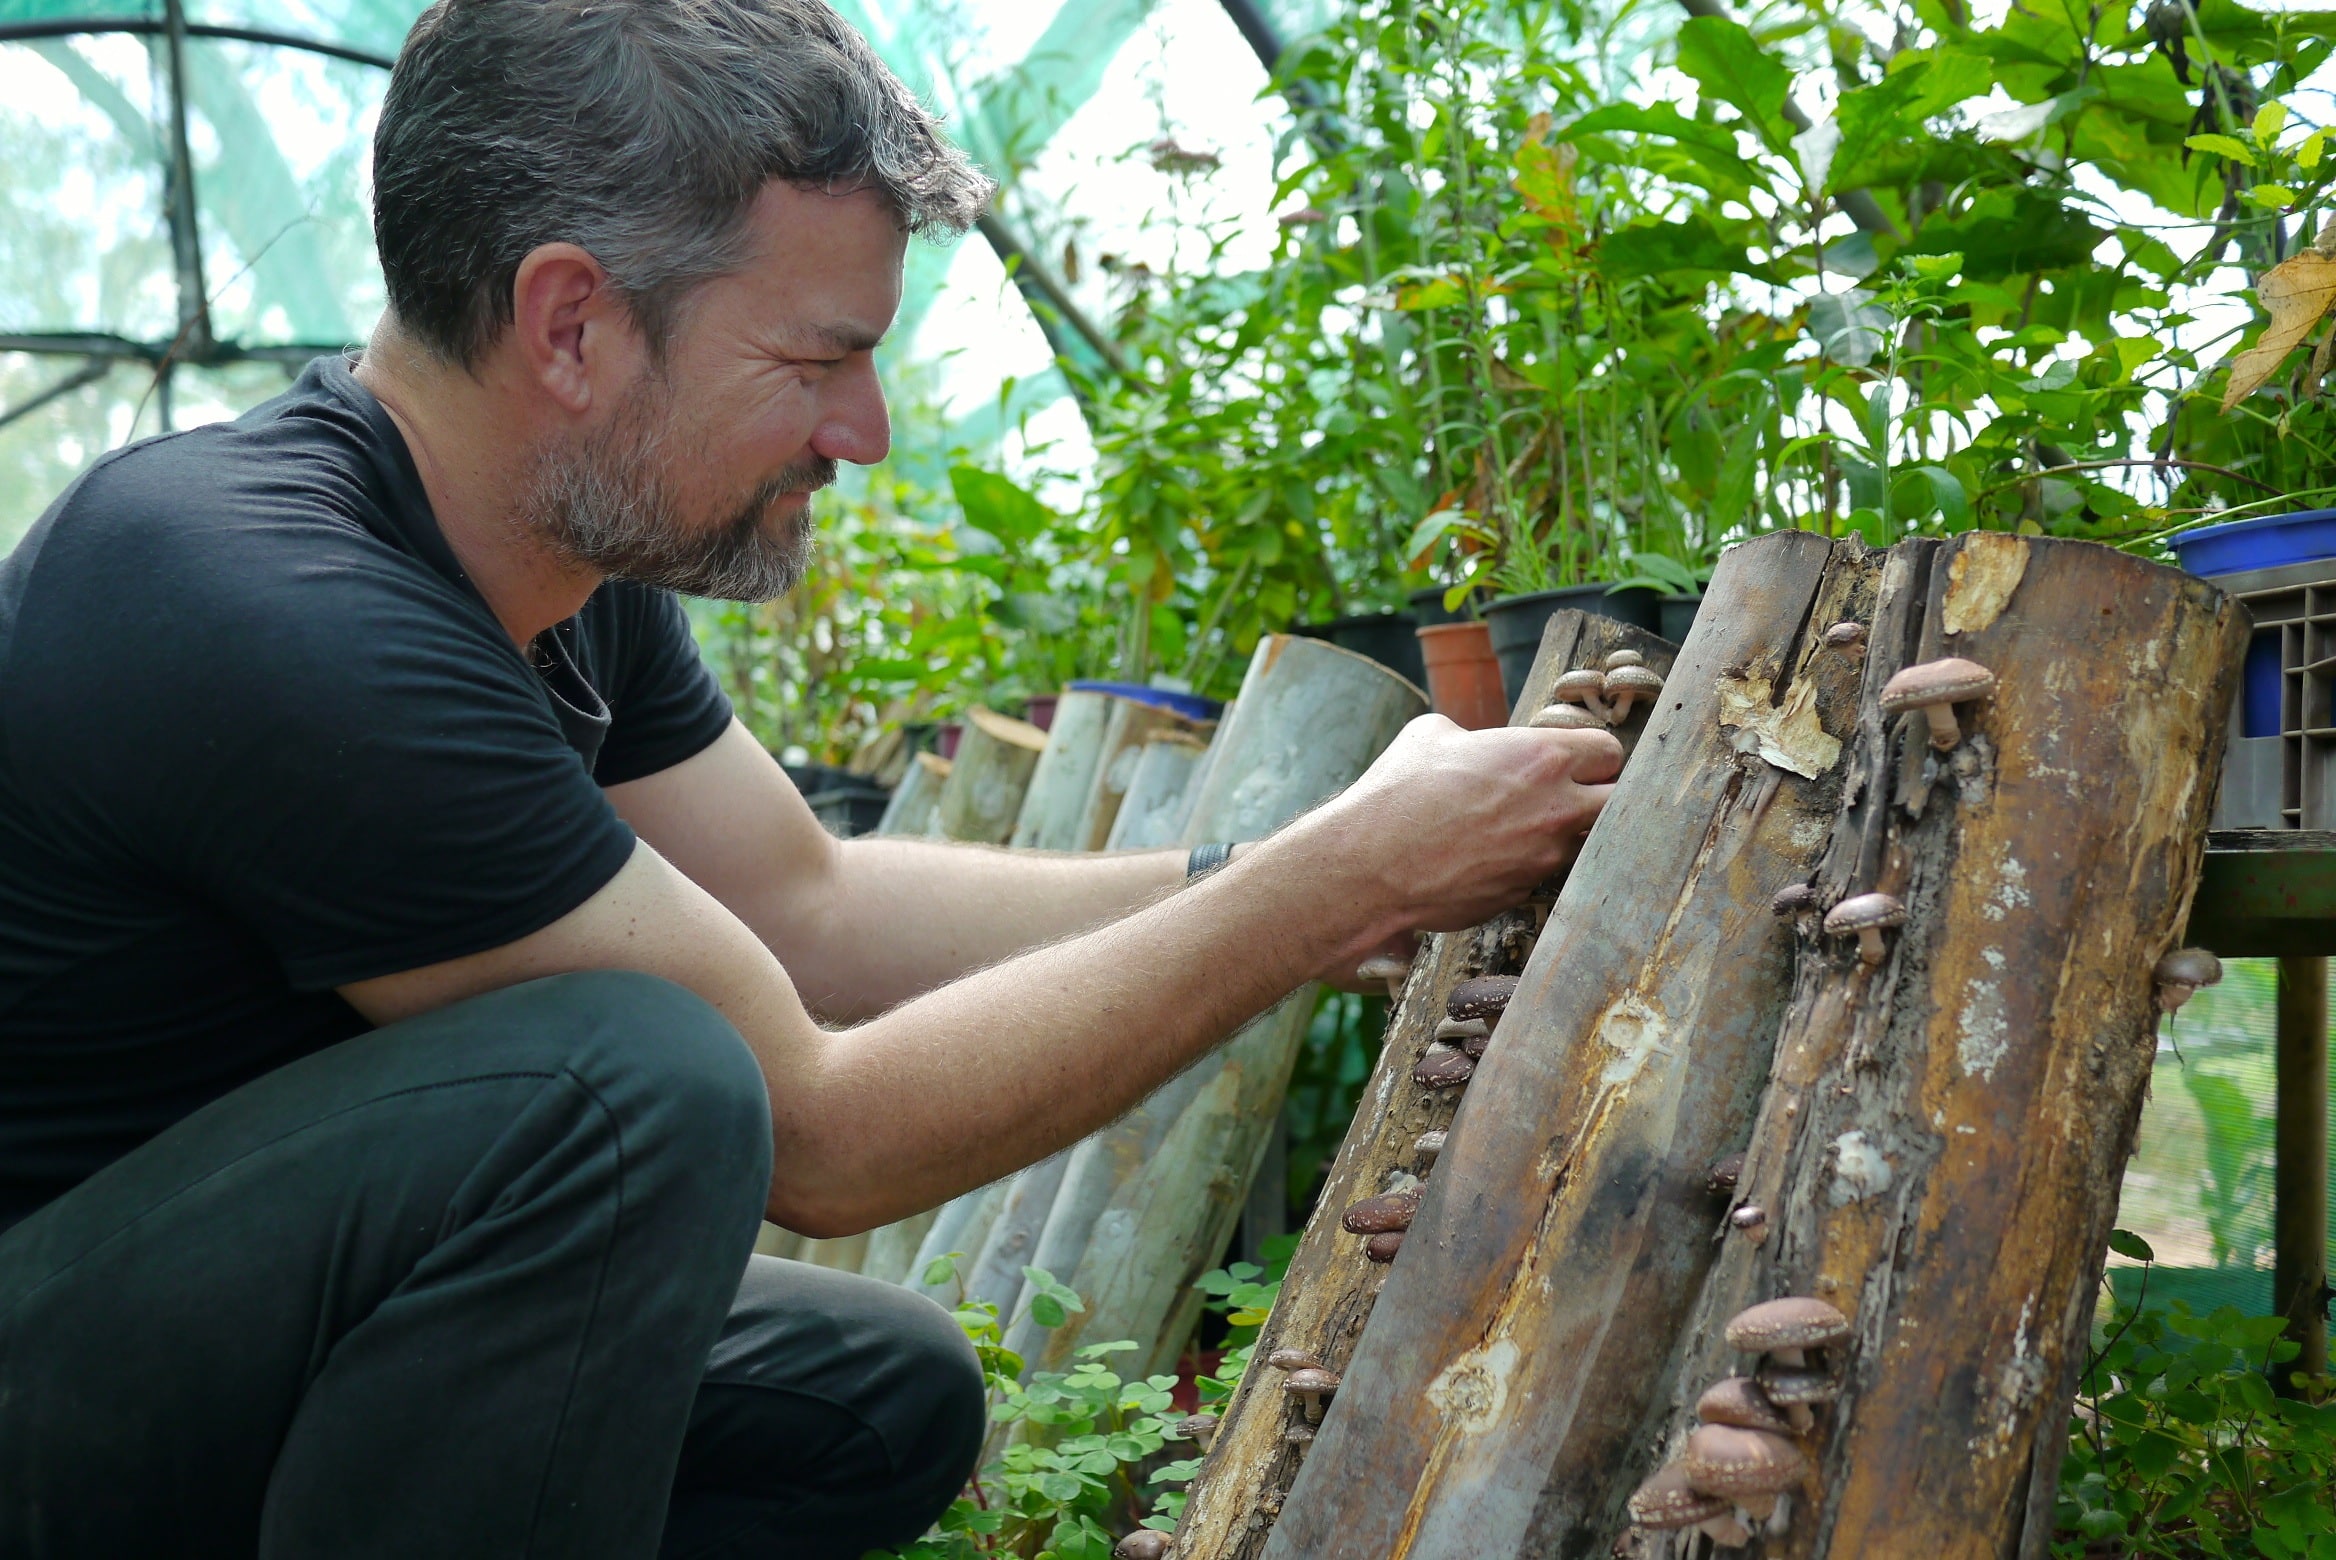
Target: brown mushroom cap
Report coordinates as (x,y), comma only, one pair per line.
(1565,717)
(1794,1322)
(1311,1379)
(1428,1145)
(1142,1544)
(1382,1248)
(1860,911)
(1668,1501)
(1724,1173)
(1788,1388)
(1292,1359)
(1842,636)
(1738,1463)
(1621,658)
(1377,1215)
(1482,996)
(1583,685)
(1299,1433)
(1198,1427)
(1443,1068)
(1736,1400)
(2189,969)
(1949,681)
(1635,680)
(1750,1218)
(1795,899)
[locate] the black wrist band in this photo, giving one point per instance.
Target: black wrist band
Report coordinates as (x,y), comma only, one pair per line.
(1205,859)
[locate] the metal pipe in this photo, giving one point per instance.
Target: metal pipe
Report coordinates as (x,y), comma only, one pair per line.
(80,26)
(2299,1219)
(186,242)
(95,369)
(1031,276)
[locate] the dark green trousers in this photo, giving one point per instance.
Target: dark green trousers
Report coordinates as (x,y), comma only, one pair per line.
(476,1284)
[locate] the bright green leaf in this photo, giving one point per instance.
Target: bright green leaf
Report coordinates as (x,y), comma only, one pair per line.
(2223,146)
(1730,67)
(2278,197)
(2269,120)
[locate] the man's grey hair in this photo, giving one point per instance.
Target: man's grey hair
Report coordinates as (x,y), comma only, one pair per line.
(641,131)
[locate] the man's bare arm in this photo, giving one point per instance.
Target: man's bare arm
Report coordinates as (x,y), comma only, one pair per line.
(867,924)
(959,1086)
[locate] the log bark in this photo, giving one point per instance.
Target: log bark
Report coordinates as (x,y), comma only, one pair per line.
(1133,730)
(1054,805)
(960,1225)
(1941,1146)
(1310,719)
(894,1246)
(1564,1229)
(1329,1290)
(1159,792)
(917,798)
(996,755)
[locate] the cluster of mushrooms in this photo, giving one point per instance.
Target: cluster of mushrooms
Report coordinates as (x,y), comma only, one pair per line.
(1739,1465)
(1589,698)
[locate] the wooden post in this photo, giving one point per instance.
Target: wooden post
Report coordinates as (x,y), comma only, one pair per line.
(1310,719)
(1134,727)
(2299,1273)
(1938,1149)
(1159,793)
(1055,802)
(996,1270)
(1327,1294)
(892,1248)
(916,799)
(996,755)
(960,1225)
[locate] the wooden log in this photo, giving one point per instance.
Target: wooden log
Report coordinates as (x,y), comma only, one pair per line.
(1310,720)
(961,1225)
(1133,728)
(1564,1225)
(1940,1148)
(1054,803)
(917,798)
(996,755)
(996,1272)
(1158,792)
(893,1247)
(2299,1168)
(1327,1294)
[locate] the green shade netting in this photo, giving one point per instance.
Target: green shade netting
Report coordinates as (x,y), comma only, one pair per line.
(91,292)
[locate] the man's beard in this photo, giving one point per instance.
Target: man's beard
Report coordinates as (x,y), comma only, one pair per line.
(607,501)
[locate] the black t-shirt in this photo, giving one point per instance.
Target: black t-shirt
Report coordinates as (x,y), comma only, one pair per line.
(259,738)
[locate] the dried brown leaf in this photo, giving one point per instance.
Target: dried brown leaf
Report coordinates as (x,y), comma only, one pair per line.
(2296,293)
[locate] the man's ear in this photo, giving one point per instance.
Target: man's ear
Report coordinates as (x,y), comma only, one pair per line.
(573,335)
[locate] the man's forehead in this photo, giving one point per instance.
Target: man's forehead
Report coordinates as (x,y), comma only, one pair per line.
(828,266)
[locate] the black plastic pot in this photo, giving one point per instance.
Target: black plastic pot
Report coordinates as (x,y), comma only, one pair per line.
(1427,607)
(849,810)
(1385,637)
(1517,621)
(1678,617)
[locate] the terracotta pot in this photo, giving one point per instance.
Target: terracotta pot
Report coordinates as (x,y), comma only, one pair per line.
(1464,676)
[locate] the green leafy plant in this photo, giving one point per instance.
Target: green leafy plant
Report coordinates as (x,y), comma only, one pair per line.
(1089,1454)
(2180,1447)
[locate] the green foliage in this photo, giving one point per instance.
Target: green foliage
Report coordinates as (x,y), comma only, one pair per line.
(1333,1064)
(1086,1453)
(2181,1448)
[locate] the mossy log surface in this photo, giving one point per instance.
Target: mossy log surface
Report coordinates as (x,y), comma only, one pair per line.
(1327,1295)
(1941,1146)
(1528,1318)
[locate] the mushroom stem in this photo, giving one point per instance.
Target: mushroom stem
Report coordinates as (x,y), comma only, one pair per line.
(1725,1531)
(1870,947)
(1802,1420)
(1944,733)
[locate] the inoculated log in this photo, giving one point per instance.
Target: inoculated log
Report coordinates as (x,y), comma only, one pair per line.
(917,798)
(1310,720)
(1327,1294)
(892,1248)
(1158,793)
(1939,1152)
(1055,802)
(960,1226)
(995,1273)
(1134,727)
(996,755)
(1566,1224)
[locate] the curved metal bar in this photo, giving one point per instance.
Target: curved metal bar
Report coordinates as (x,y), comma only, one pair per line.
(154,26)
